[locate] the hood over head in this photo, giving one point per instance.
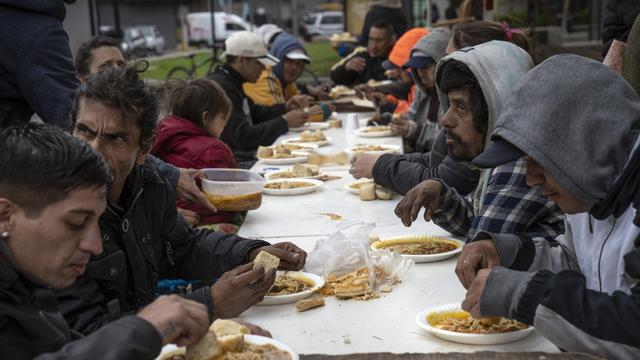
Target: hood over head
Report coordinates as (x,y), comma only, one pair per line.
(432,46)
(497,67)
(284,44)
(578,119)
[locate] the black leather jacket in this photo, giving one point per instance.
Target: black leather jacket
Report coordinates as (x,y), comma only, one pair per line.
(31,326)
(145,241)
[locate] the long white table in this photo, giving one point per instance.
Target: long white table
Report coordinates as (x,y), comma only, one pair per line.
(386,324)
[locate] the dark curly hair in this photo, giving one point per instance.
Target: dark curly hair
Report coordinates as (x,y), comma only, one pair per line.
(84,56)
(123,88)
(455,75)
(41,165)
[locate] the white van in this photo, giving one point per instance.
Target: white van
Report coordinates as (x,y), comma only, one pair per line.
(325,23)
(199,27)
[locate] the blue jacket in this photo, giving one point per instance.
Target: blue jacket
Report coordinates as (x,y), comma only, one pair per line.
(36,65)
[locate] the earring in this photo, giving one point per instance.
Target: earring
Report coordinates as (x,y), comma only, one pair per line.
(4,235)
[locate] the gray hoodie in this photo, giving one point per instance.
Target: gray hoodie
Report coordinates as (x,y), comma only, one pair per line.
(423,131)
(580,121)
(497,66)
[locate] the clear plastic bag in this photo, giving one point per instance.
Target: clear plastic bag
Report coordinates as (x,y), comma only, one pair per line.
(348,250)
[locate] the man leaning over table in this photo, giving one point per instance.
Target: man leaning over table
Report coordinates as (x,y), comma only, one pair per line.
(365,64)
(48,231)
(102,52)
(473,83)
(143,236)
(581,290)
(251,125)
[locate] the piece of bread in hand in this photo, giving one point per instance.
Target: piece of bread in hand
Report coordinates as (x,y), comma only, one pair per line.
(230,334)
(267,261)
(205,349)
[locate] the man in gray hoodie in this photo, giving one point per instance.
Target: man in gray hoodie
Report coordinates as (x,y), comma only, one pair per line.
(402,172)
(476,81)
(583,152)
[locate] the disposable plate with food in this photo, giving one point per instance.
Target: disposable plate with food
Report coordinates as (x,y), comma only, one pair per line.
(295,186)
(248,339)
(297,140)
(373,131)
(500,330)
(296,157)
(354,186)
(311,126)
(288,282)
(289,174)
(421,248)
(373,149)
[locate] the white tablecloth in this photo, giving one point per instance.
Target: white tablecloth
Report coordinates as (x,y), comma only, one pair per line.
(386,324)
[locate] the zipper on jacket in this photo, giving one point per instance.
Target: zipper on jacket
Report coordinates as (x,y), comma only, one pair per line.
(601,251)
(169,253)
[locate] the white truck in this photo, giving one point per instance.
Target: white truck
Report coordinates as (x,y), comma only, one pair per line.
(199,27)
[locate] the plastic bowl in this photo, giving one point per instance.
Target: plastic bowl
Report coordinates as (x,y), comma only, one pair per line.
(233,189)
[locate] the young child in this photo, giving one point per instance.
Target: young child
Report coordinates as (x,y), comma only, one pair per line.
(188,138)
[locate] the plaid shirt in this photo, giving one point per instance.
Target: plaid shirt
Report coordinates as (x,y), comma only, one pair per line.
(509,206)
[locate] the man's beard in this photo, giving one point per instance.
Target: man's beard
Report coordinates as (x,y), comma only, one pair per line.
(458,151)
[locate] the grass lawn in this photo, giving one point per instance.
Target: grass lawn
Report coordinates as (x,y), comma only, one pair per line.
(322,55)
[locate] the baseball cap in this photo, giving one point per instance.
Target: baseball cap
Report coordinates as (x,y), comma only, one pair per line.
(418,62)
(248,44)
(498,153)
(298,54)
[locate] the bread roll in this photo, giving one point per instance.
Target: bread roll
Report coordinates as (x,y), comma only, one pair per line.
(205,349)
(383,193)
(368,191)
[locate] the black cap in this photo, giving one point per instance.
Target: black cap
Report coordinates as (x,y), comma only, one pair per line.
(498,153)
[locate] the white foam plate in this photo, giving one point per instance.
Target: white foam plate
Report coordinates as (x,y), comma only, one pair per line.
(251,339)
(311,126)
(417,238)
(375,134)
(287,161)
(318,143)
(296,191)
(356,191)
(286,299)
(389,149)
(473,339)
(270,175)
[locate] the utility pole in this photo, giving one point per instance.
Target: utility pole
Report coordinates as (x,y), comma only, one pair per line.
(294,18)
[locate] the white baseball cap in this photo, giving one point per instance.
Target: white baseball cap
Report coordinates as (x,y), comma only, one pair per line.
(248,44)
(298,54)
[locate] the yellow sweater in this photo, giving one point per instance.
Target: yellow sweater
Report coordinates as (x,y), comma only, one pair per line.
(268,89)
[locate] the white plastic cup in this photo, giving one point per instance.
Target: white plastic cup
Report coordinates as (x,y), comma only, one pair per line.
(352,123)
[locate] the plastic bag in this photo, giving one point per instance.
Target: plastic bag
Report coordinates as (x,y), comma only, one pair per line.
(348,250)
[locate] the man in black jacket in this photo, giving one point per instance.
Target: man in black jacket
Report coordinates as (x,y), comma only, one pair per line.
(251,125)
(144,238)
(48,231)
(365,64)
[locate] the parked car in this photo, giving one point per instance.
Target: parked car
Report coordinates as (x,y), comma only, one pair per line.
(133,42)
(324,23)
(199,27)
(154,41)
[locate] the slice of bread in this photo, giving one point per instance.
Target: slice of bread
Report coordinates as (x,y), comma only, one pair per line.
(205,349)
(267,261)
(230,334)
